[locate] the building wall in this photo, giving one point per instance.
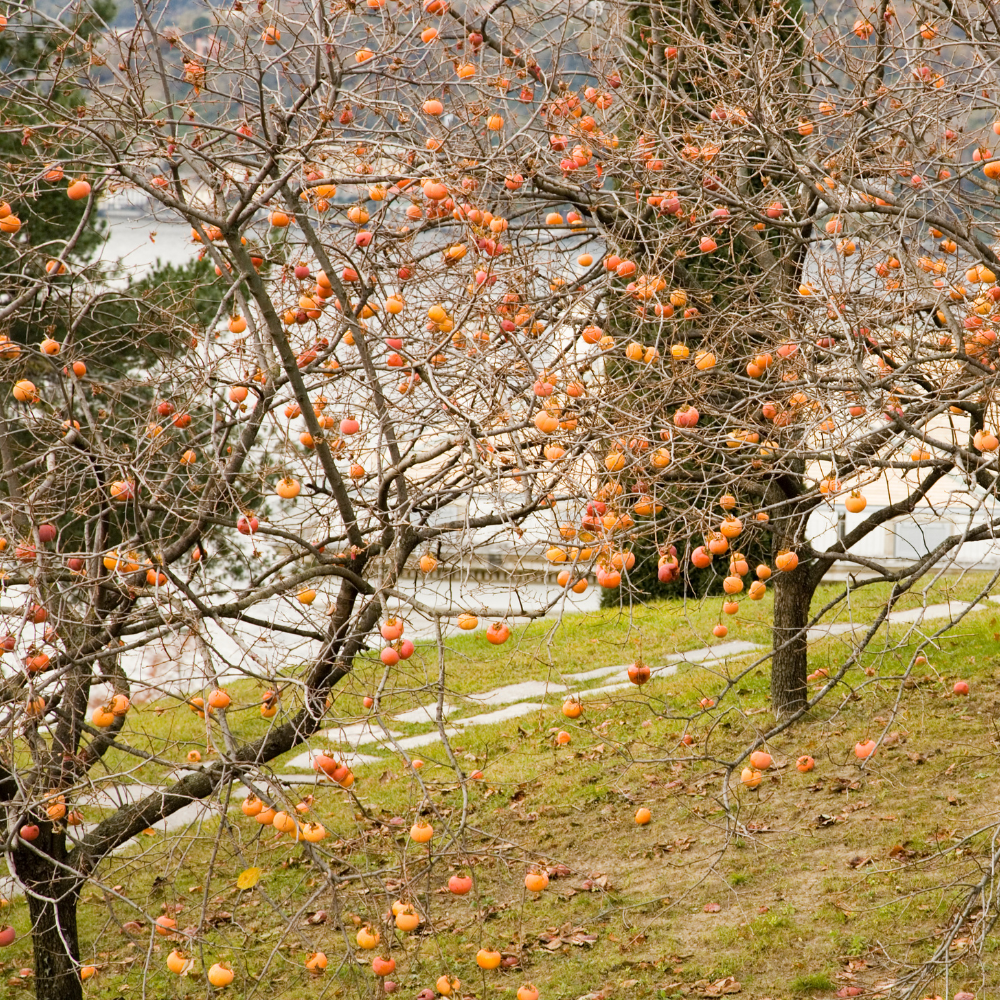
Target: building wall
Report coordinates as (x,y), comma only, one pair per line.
(901,541)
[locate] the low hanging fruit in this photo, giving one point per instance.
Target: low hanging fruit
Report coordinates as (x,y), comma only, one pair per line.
(638,673)
(572,708)
(269,705)
(368,938)
(786,561)
(178,962)
(252,805)
(78,190)
(498,633)
(25,391)
(219,699)
(855,503)
(407,919)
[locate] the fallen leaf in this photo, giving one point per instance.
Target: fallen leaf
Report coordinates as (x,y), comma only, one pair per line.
(248,878)
(319,917)
(721,987)
(629,945)
(859,861)
(824,820)
(553,939)
(675,847)
(844,785)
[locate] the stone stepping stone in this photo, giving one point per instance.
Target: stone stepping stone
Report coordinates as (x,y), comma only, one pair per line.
(590,675)
(735,647)
(358,734)
(517,692)
(605,689)
(425,713)
(499,696)
(423,740)
(950,609)
(501,714)
(304,761)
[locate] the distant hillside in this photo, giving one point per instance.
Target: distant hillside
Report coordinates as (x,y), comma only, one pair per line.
(188,15)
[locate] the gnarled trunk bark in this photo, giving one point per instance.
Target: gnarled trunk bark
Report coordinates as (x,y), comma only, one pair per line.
(52,894)
(792,596)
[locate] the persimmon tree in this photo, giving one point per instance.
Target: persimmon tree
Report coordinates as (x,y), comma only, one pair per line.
(626,272)
(810,248)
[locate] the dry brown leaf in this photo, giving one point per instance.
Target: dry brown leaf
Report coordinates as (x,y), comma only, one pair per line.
(553,939)
(722,987)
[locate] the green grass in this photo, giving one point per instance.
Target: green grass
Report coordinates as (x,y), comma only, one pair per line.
(826,868)
(811,982)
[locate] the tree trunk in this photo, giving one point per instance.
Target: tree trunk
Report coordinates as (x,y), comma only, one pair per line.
(792,596)
(52,900)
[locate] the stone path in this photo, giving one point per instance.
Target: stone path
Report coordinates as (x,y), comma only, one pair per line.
(511,701)
(529,697)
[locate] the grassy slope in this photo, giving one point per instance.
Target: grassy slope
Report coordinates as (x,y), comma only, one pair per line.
(803,901)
